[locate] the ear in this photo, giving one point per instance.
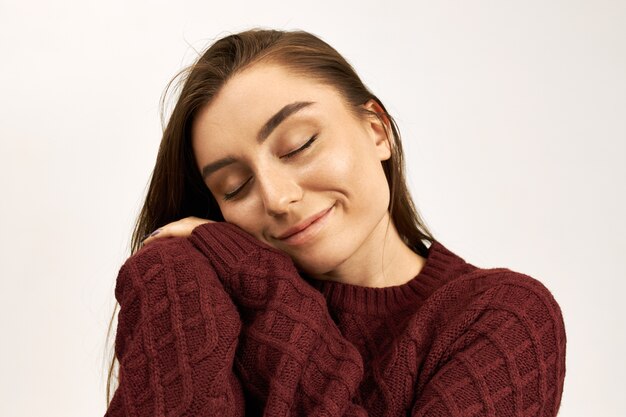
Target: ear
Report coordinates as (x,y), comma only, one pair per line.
(379,128)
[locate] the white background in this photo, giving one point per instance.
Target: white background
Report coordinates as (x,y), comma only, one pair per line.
(513,116)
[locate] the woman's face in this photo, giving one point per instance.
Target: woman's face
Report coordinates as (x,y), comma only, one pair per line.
(278,150)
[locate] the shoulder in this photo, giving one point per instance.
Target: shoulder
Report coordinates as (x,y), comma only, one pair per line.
(511,309)
(499,303)
(507,289)
(501,329)
(526,301)
(499,296)
(498,286)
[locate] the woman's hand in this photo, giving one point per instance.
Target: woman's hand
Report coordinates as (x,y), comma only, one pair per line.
(179,228)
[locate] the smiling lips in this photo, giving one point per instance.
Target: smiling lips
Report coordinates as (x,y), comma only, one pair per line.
(297,233)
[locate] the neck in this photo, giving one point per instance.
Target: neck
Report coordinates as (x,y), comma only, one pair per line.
(383,260)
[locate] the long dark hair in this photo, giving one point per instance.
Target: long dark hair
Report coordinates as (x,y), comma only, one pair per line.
(176,187)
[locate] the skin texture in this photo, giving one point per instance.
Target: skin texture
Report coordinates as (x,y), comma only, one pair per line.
(341,169)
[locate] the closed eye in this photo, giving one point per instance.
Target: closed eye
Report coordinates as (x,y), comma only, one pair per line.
(233,194)
(301,148)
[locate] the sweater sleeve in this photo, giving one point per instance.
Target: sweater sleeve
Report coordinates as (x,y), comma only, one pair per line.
(504,356)
(292,357)
(176,337)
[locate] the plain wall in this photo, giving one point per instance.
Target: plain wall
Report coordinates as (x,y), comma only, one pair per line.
(513,116)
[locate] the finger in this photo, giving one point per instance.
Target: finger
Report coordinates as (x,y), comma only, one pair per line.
(147,235)
(179,228)
(183,227)
(158,233)
(175,229)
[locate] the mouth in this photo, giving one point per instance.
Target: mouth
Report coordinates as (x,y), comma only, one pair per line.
(307,229)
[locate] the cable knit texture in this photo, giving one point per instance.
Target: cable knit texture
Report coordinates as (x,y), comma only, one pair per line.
(221,324)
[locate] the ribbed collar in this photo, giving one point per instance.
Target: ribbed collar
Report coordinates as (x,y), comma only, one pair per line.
(441,266)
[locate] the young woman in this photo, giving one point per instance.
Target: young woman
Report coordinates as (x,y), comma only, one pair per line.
(301,281)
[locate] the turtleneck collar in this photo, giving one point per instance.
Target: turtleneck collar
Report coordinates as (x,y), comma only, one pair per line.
(440,267)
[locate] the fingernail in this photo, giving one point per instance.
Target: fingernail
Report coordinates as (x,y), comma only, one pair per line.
(147,235)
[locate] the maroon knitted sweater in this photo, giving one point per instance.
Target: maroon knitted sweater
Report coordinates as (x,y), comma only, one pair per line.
(221,324)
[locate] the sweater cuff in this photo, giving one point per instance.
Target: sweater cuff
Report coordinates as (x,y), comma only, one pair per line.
(226,244)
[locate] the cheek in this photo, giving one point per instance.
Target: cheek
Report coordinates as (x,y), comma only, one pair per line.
(351,169)
(334,170)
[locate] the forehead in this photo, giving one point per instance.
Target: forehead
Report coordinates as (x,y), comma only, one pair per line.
(250,98)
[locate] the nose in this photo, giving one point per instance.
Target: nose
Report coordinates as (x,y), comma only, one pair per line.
(278,190)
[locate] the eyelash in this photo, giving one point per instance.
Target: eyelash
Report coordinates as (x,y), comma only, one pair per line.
(229,196)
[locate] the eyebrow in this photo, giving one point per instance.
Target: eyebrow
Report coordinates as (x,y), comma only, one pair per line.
(264,132)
